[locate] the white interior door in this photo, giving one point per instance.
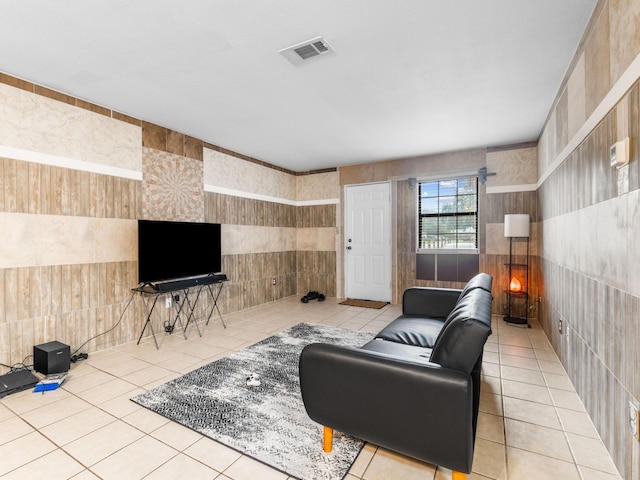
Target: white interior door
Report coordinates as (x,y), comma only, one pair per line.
(368,242)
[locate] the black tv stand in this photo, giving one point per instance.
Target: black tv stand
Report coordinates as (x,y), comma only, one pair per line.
(184,307)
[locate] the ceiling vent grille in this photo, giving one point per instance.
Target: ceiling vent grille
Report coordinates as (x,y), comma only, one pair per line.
(306,51)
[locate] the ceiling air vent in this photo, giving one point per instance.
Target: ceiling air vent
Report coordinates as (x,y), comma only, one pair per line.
(306,51)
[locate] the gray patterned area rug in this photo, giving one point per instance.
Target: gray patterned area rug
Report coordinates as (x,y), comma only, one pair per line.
(268,421)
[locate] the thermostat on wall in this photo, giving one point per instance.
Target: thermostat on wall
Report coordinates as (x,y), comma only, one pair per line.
(619,153)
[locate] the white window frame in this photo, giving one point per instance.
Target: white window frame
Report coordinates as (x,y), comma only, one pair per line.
(457,214)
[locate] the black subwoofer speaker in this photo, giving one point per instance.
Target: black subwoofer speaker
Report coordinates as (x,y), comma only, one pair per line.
(51,357)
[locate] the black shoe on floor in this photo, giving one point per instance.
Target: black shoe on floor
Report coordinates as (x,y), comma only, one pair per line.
(312,295)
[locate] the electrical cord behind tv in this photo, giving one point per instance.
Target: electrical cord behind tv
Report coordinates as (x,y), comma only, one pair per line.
(75,356)
(18,366)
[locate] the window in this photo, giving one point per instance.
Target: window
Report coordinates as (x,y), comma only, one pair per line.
(448,214)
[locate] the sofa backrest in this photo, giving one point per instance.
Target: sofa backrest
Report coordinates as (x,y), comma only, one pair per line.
(481,280)
(464,333)
(429,302)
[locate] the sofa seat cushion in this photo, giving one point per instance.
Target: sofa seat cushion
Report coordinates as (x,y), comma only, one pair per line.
(412,330)
(406,352)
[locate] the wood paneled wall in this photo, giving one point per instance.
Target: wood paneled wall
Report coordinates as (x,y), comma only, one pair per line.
(27,187)
(89,305)
(589,213)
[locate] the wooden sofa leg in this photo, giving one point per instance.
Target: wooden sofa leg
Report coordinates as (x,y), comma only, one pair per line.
(328,439)
(458,475)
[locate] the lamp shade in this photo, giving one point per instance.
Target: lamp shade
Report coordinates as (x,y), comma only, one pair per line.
(516,225)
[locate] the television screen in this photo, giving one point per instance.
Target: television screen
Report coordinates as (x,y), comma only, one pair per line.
(171,250)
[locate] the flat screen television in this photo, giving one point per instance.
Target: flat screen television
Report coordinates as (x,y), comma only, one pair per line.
(173,250)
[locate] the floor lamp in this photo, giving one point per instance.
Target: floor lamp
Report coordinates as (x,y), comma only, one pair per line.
(517,226)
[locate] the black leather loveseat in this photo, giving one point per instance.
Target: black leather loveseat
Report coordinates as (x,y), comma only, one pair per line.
(415,388)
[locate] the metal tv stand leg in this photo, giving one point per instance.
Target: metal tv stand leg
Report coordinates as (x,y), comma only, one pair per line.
(148,321)
(192,308)
(215,297)
(178,309)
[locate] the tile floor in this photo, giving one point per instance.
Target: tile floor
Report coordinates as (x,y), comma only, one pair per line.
(532,424)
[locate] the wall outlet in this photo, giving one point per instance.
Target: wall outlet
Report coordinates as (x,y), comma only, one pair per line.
(273,281)
(560,326)
(633,420)
(167,302)
(176,298)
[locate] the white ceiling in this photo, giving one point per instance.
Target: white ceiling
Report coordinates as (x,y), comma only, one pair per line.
(409,77)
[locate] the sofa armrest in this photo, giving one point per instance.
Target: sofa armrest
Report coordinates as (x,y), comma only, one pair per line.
(419,409)
(429,302)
